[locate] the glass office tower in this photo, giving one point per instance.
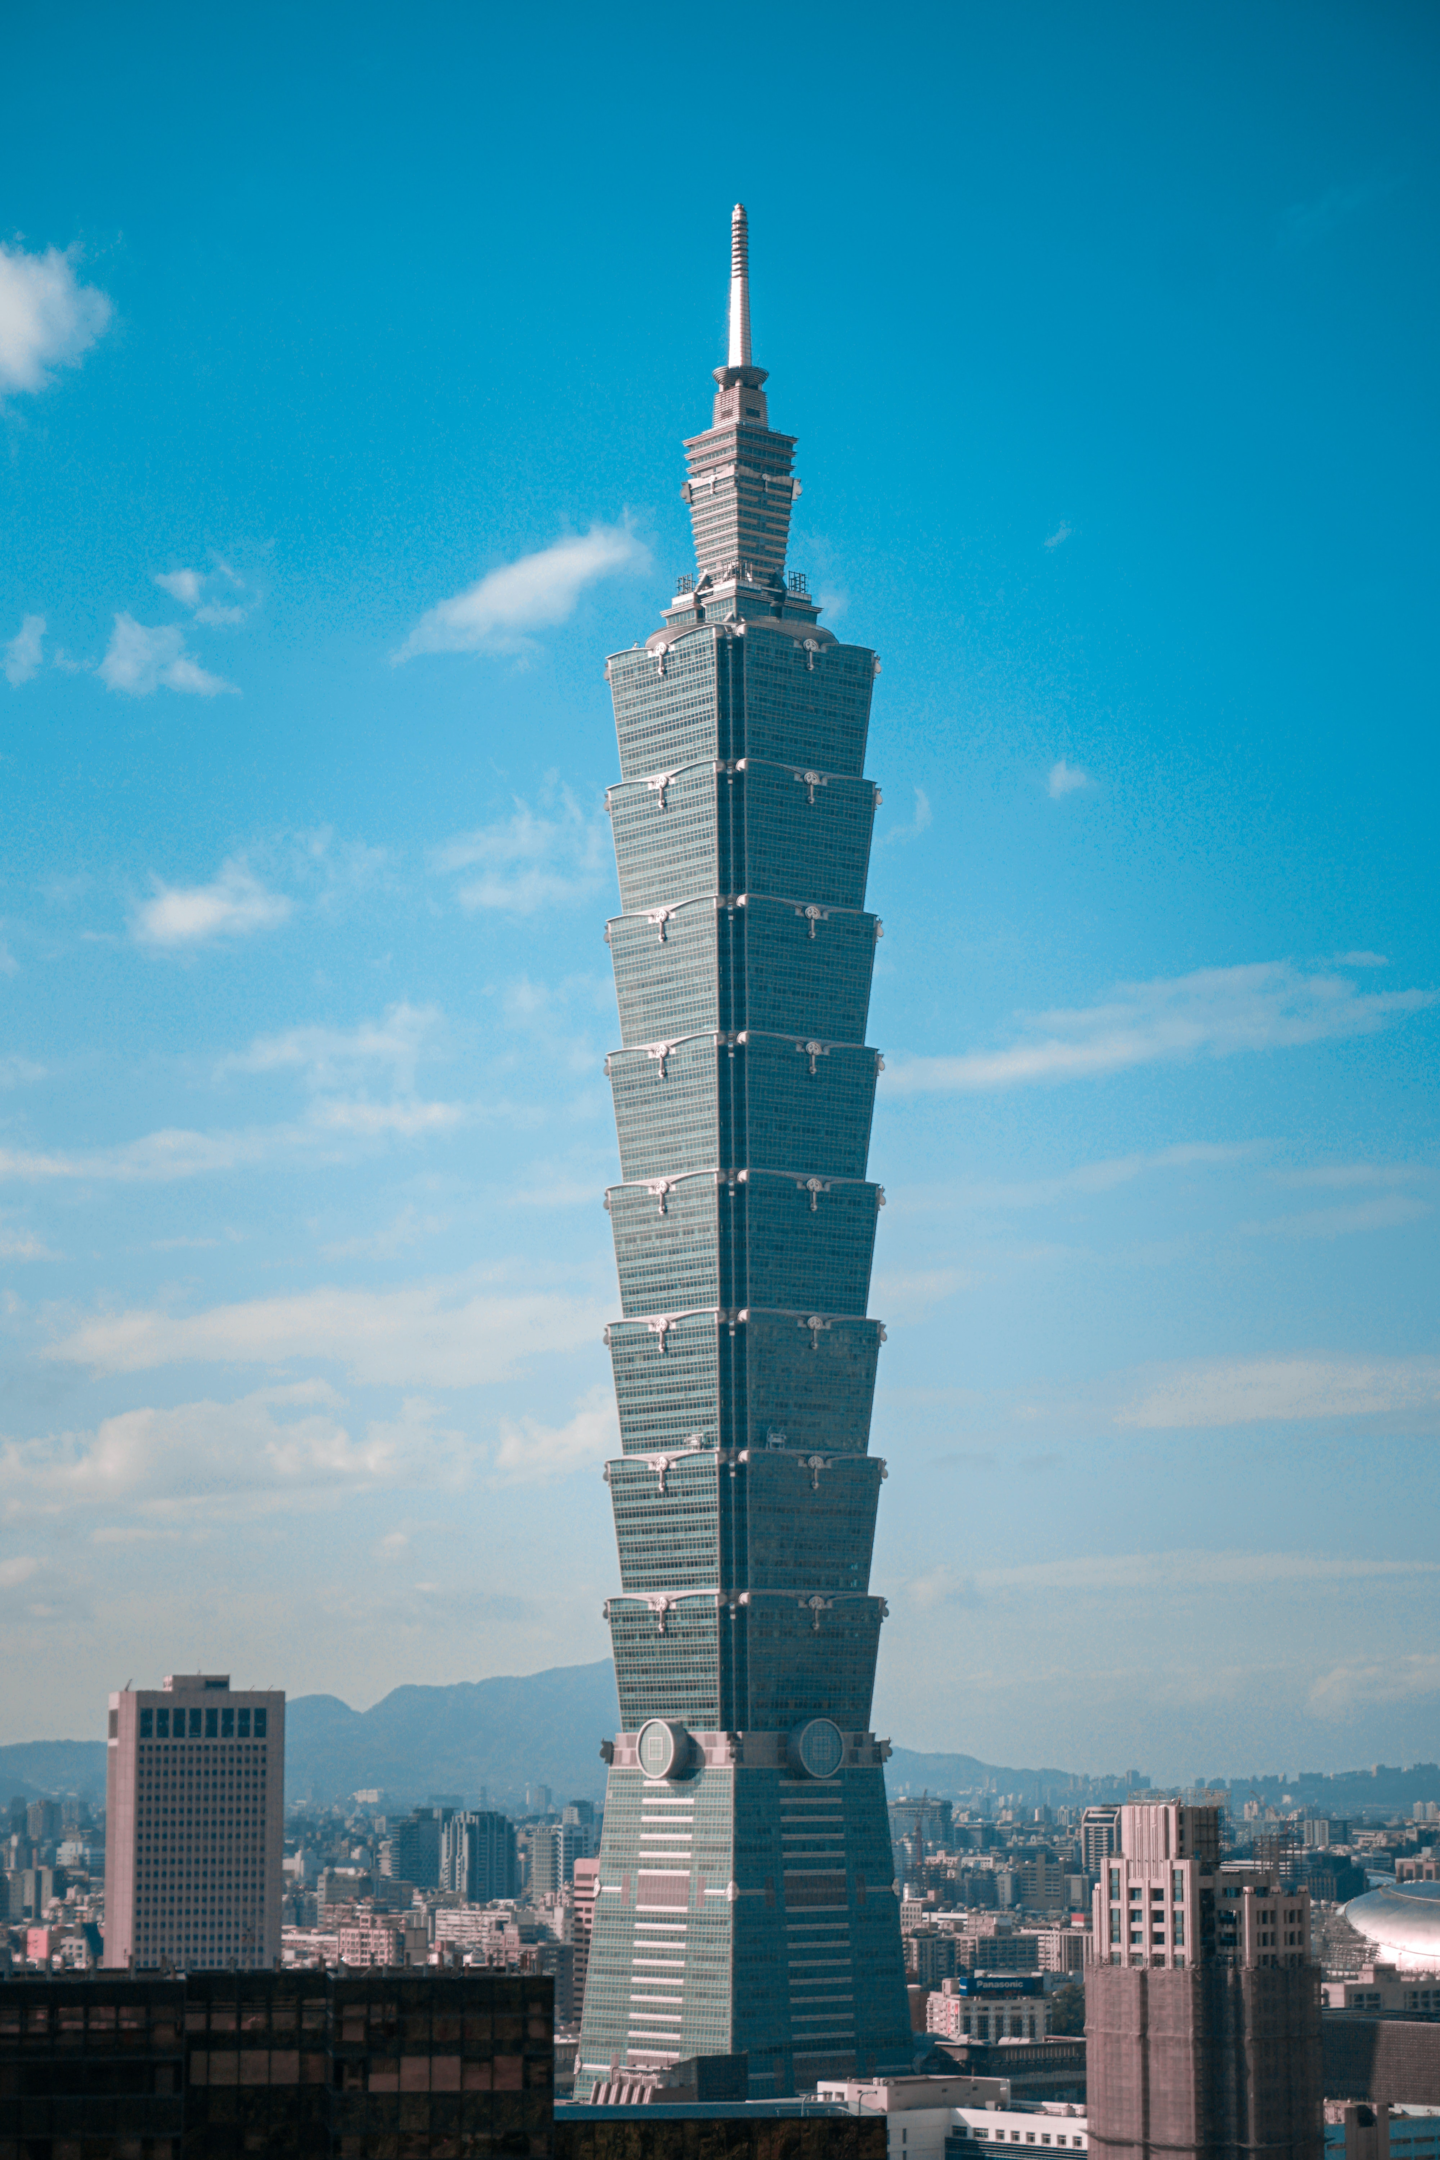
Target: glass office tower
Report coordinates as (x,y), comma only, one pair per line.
(745,1901)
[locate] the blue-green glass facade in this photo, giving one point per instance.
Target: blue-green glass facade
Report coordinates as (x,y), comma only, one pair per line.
(745,1901)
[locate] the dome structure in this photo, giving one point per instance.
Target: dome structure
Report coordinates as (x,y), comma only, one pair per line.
(1402,1920)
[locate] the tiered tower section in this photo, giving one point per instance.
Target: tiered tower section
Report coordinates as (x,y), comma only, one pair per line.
(745,1902)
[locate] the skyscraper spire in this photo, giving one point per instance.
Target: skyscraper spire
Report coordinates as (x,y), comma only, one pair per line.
(739,287)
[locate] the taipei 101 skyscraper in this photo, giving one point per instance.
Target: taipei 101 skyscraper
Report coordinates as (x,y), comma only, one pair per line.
(745,1902)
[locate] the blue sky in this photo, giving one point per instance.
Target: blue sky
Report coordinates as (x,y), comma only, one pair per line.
(344,360)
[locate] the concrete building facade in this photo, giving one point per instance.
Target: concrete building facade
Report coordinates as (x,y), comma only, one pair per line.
(195,1807)
(1202,2010)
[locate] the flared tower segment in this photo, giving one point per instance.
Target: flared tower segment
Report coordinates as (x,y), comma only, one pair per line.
(745,1902)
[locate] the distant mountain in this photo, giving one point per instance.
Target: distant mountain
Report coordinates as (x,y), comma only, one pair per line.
(33,1768)
(546,1728)
(945,1775)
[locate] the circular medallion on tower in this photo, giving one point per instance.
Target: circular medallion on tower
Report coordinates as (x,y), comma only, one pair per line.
(817,1749)
(663,1747)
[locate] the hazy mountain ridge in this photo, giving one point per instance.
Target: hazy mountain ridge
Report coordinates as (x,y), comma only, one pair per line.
(546,1728)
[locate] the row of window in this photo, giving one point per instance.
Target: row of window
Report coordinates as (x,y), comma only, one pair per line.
(195,1723)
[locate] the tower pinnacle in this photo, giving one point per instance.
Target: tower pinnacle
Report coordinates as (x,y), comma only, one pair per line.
(739,287)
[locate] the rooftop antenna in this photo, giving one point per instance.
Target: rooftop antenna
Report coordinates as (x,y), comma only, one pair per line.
(739,287)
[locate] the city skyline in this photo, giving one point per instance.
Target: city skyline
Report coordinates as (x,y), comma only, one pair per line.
(327,479)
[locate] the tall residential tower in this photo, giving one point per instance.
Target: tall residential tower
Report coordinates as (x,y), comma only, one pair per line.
(745,1902)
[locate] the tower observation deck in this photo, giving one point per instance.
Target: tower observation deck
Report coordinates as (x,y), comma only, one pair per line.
(745,1900)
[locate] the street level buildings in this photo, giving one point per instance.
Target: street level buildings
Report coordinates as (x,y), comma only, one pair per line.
(195,1799)
(1202,2010)
(746,1899)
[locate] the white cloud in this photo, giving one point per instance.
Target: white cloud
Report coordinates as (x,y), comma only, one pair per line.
(368,1120)
(1346,1176)
(47,318)
(1299,224)
(1146,1574)
(1101,1177)
(139,660)
(23,653)
(17,1571)
(910,1293)
(460,1332)
(277,1441)
(528,862)
(493,614)
(1214,1012)
(531,1452)
(18,1244)
(210,595)
(1361,959)
(1060,535)
(1360,1682)
(1283,1389)
(178,1152)
(232,905)
(921,822)
(327,1055)
(1388,1211)
(409,1228)
(1065,779)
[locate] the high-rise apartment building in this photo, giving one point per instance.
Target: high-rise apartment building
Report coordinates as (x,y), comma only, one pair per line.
(554,1849)
(194,1826)
(477,1856)
(587,1883)
(746,1898)
(1202,2008)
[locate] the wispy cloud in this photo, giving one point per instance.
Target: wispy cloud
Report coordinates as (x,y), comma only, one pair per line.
(140,660)
(233,904)
(327,1057)
(1215,1012)
(919,823)
(528,861)
(1065,779)
(17,1244)
(457,1332)
(1387,1211)
(1060,535)
(1101,1177)
(495,613)
(1121,1575)
(1264,1390)
(1300,224)
(273,1444)
(217,596)
(531,1452)
(1408,1677)
(409,1228)
(24,651)
(48,319)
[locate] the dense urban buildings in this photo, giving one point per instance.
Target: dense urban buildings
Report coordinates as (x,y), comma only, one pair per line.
(194,1810)
(745,1901)
(1202,2011)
